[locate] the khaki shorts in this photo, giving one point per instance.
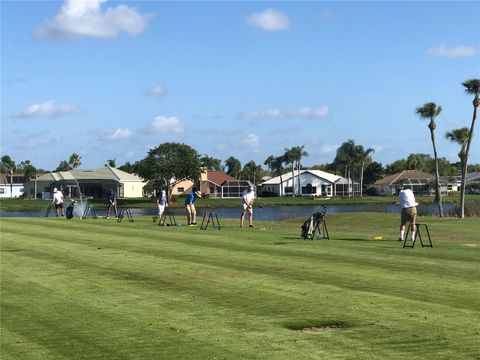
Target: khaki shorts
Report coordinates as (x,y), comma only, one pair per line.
(409,215)
(246,208)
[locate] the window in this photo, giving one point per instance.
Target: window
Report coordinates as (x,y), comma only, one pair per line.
(2,191)
(309,189)
(288,189)
(181,189)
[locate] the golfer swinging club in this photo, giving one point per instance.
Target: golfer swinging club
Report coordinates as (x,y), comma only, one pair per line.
(248,197)
(409,212)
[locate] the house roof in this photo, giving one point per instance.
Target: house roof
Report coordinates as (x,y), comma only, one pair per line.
(218,177)
(105,173)
(6,178)
(473,177)
(318,173)
(416,175)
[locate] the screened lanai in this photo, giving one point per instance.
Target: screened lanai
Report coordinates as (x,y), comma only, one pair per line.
(234,188)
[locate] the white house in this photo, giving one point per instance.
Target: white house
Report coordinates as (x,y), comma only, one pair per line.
(310,183)
(11,186)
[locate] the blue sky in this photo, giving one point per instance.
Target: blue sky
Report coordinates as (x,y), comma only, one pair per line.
(112,79)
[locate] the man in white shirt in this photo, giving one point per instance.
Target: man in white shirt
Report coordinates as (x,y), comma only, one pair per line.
(409,211)
(248,197)
(57,201)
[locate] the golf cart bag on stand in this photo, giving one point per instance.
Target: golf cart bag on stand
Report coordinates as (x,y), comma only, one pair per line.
(316,224)
(69,210)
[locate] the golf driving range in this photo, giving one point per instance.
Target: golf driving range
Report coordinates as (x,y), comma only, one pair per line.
(98,289)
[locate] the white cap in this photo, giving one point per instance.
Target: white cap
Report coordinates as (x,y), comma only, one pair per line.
(54,190)
(252,188)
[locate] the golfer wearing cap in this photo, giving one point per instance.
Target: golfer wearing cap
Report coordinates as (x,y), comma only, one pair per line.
(248,196)
(57,201)
(161,203)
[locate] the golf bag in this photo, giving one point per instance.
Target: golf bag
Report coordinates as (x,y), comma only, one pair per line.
(311,225)
(69,211)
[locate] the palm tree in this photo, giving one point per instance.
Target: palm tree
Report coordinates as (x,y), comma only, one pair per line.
(269,162)
(289,158)
(234,166)
(277,168)
(430,111)
(298,152)
(472,87)
(211,163)
(346,157)
(362,155)
(8,165)
(112,163)
(74,161)
(460,136)
(252,172)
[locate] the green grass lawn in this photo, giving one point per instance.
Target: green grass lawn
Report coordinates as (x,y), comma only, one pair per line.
(98,289)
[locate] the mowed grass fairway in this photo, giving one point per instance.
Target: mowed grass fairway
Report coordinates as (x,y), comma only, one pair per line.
(97,289)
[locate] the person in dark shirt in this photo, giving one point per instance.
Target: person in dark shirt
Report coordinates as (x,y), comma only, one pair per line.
(112,203)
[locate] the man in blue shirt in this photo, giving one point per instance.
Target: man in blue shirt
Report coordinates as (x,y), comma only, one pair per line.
(190,206)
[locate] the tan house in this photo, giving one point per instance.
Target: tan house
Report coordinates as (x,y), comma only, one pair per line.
(420,182)
(89,183)
(213,184)
(182,187)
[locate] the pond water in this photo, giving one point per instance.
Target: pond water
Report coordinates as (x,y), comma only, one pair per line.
(272,213)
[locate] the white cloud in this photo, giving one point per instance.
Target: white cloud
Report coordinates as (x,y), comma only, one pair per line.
(118,134)
(158,90)
(306,112)
(269,20)
(270,113)
(80,18)
(251,141)
(452,53)
(50,109)
(166,125)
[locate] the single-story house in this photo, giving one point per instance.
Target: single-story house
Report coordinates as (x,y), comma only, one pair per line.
(472,182)
(217,184)
(181,187)
(312,183)
(11,185)
(420,182)
(90,183)
(213,184)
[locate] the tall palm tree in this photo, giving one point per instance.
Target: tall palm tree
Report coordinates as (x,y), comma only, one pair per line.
(472,87)
(346,157)
(363,155)
(277,168)
(269,162)
(234,166)
(460,136)
(289,158)
(298,153)
(74,161)
(430,111)
(8,165)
